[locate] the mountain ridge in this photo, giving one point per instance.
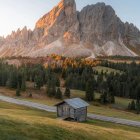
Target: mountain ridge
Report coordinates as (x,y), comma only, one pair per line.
(96,30)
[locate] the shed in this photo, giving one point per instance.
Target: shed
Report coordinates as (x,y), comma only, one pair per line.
(75,109)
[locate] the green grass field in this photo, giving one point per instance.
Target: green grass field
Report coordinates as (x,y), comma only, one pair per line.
(96,108)
(22,123)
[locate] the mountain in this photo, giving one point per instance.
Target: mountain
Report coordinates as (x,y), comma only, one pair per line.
(94,31)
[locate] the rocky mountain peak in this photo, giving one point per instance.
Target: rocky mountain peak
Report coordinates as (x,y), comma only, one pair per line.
(68,3)
(59,20)
(93,31)
(1,40)
(64,8)
(102,20)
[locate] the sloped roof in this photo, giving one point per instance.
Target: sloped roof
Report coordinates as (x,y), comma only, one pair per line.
(75,103)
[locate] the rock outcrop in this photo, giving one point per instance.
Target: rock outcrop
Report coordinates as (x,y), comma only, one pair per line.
(61,22)
(95,30)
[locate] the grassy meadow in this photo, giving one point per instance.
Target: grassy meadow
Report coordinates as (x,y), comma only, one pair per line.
(22,123)
(119,109)
(106,69)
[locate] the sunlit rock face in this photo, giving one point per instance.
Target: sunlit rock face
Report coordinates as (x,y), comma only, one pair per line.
(61,22)
(94,31)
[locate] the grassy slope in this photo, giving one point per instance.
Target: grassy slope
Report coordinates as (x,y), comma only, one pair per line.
(97,108)
(93,108)
(106,69)
(22,123)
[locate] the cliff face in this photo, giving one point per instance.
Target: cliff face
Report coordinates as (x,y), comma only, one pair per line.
(99,24)
(95,30)
(60,22)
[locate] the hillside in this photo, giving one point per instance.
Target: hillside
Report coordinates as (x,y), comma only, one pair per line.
(96,30)
(35,125)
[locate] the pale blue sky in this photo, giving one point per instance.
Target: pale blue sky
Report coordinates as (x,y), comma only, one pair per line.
(16,14)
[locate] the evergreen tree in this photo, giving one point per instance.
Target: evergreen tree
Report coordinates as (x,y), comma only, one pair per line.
(58,94)
(48,91)
(138,106)
(138,92)
(18,90)
(89,91)
(30,95)
(99,81)
(133,105)
(129,106)
(51,86)
(67,92)
(12,80)
(103,87)
(64,74)
(38,81)
(57,82)
(110,98)
(53,91)
(103,98)
(113,99)
(23,84)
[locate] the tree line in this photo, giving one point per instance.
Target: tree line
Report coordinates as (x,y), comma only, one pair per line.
(76,74)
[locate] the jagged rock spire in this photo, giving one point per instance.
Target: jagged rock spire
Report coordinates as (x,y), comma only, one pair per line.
(95,30)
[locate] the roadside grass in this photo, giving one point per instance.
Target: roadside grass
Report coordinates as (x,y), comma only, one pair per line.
(110,112)
(22,123)
(8,108)
(118,110)
(110,125)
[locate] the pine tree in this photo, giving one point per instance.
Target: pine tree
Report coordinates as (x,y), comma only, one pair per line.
(103,98)
(23,84)
(110,98)
(18,90)
(30,95)
(57,82)
(48,91)
(99,81)
(58,94)
(129,106)
(138,92)
(133,105)
(67,93)
(64,74)
(53,91)
(38,81)
(89,91)
(138,106)
(12,80)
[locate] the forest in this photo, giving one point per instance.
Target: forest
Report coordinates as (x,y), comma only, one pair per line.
(77,74)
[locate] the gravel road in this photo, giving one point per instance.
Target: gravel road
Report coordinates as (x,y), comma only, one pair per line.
(53,109)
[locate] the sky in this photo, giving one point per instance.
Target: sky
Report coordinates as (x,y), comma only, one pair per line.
(16,14)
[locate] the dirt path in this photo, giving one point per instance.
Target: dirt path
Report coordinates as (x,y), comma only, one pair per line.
(53,109)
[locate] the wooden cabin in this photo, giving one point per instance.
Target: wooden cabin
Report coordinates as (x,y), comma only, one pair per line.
(75,109)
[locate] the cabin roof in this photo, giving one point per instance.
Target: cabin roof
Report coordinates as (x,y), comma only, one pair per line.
(75,103)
